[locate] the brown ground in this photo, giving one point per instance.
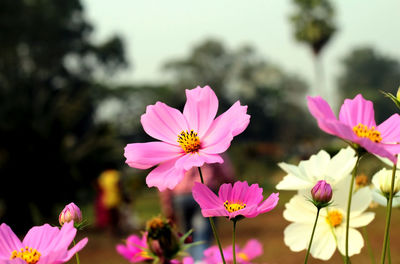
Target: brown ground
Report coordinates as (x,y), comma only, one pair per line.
(268,228)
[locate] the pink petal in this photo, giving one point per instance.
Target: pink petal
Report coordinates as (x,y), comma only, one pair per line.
(338,129)
(390,129)
(41,237)
(269,204)
(378,148)
(253,195)
(200,109)
(188,161)
(225,192)
(205,197)
(229,124)
(357,111)
(147,155)
(125,252)
(239,191)
(163,122)
(81,244)
(252,249)
(214,212)
(8,241)
(319,108)
(166,175)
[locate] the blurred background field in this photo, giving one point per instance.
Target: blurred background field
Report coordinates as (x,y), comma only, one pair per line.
(75,77)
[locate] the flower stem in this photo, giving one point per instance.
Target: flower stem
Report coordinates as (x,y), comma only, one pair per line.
(353,176)
(76,254)
(388,215)
(213,225)
(312,236)
(370,251)
(234,241)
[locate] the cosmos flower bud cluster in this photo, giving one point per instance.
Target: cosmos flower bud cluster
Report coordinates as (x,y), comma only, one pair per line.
(321,194)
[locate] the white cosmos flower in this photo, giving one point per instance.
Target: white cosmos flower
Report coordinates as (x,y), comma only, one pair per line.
(330,232)
(318,167)
(382,181)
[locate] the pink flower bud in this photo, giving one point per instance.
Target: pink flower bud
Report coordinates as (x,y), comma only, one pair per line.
(321,192)
(71,212)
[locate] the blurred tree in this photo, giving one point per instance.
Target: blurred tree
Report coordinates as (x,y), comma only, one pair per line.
(313,23)
(368,72)
(50,146)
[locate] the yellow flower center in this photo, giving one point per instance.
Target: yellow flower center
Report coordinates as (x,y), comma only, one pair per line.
(334,218)
(233,207)
(363,131)
(31,256)
(189,141)
(243,256)
(361,180)
(145,254)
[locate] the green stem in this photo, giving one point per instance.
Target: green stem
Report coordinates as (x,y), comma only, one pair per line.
(388,215)
(312,236)
(76,254)
(370,251)
(234,241)
(388,252)
(353,176)
(213,225)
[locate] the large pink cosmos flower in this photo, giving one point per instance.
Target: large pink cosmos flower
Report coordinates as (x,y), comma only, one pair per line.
(357,124)
(135,249)
(250,251)
(239,200)
(188,139)
(42,245)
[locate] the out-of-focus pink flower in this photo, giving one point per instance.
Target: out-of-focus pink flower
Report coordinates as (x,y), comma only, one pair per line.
(250,251)
(322,192)
(42,244)
(134,249)
(239,200)
(71,212)
(356,124)
(188,139)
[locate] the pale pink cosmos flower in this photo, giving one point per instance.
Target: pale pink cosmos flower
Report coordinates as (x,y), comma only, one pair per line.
(245,255)
(239,200)
(356,124)
(42,245)
(188,139)
(134,249)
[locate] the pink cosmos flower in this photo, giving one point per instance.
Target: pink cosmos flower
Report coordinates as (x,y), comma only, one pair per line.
(42,245)
(188,139)
(134,250)
(233,201)
(251,250)
(356,124)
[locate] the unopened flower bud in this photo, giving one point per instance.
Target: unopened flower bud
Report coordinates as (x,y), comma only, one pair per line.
(71,212)
(383,180)
(321,193)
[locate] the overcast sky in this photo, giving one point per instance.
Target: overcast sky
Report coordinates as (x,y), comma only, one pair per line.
(155,31)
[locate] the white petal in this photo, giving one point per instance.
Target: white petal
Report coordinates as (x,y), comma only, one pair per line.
(342,164)
(291,182)
(293,170)
(324,243)
(298,209)
(361,200)
(356,242)
(296,236)
(362,219)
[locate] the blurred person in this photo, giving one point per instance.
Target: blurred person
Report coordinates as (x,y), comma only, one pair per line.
(179,205)
(108,200)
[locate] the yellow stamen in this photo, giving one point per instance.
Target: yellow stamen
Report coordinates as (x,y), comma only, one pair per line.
(361,180)
(243,256)
(189,141)
(364,132)
(233,207)
(334,218)
(31,256)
